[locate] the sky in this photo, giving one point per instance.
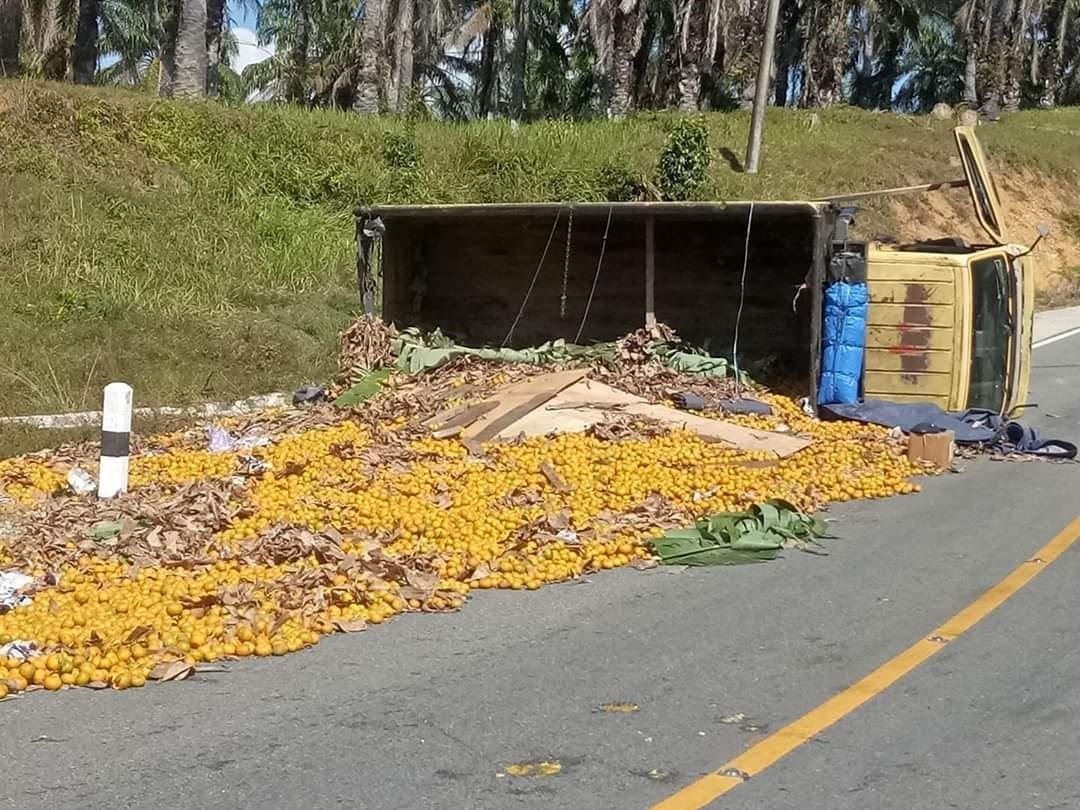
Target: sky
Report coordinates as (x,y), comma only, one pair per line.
(249,51)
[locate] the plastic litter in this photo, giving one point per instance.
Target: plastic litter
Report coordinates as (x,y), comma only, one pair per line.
(308,394)
(745,405)
(81,482)
(20,650)
(11,583)
(219,439)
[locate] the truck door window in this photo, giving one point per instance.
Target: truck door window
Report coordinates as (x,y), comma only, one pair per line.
(992,330)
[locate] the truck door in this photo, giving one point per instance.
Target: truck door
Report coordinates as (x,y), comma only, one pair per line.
(984,194)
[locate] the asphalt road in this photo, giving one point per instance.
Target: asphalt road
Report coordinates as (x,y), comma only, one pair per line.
(428,711)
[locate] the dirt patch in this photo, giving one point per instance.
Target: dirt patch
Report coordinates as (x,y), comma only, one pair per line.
(1029,199)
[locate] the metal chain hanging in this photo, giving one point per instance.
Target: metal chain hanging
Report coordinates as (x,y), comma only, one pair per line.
(566,265)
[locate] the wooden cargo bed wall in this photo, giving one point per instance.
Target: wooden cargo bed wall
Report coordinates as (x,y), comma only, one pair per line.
(469,276)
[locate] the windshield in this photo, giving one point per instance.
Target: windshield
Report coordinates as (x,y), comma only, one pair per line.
(992,331)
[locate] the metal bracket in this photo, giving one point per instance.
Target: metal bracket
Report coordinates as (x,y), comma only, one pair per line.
(368,233)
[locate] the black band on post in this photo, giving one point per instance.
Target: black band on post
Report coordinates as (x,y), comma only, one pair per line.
(115,444)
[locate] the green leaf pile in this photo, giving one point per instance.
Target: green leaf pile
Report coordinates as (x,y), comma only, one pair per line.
(417,352)
(735,538)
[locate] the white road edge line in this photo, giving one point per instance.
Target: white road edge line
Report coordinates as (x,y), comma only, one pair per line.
(1038,344)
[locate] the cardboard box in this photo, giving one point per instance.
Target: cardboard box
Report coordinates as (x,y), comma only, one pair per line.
(932,448)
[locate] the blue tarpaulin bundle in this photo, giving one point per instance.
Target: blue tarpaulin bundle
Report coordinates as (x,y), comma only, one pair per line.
(843,342)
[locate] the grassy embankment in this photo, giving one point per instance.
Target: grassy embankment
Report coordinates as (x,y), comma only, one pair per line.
(206,252)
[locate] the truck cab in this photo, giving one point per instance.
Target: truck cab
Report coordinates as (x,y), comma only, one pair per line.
(950,322)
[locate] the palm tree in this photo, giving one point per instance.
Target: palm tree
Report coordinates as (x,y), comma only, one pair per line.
(615,28)
(371,87)
(190,59)
(84,53)
(1052,75)
(49,24)
(11,16)
(131,31)
(215,28)
(934,67)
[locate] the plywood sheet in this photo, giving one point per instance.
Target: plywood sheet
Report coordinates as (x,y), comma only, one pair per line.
(587,402)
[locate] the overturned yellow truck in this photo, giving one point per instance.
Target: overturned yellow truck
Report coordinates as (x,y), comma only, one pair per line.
(947,322)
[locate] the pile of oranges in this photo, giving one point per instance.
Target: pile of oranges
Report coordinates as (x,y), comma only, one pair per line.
(494,520)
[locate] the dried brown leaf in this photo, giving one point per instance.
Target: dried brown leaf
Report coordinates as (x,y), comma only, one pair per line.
(137,633)
(349,625)
(481,571)
(171,671)
(551,474)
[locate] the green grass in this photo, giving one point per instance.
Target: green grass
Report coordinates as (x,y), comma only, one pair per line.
(200,251)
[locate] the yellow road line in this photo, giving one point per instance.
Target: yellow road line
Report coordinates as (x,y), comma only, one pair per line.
(778,745)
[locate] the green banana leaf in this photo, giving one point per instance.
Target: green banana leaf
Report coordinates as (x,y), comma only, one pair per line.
(735,538)
(366,386)
(418,352)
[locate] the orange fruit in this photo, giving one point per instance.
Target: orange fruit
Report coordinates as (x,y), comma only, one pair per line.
(52,682)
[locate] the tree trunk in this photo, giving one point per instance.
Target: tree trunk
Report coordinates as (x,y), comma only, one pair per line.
(626,34)
(808,81)
(369,87)
(167,60)
(834,55)
(492,36)
(1039,14)
(519,59)
(1014,66)
(11,16)
(999,28)
(690,55)
(401,78)
(640,68)
(215,23)
(55,43)
(190,78)
(84,53)
(296,86)
(971,64)
(1055,66)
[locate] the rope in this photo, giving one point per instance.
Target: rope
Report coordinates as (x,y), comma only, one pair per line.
(566,265)
(532,283)
(596,277)
(742,298)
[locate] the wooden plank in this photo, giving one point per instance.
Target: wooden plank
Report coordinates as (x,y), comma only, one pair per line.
(585,404)
(890,192)
(515,401)
(457,422)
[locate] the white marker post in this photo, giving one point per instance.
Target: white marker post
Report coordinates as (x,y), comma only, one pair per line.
(115,440)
